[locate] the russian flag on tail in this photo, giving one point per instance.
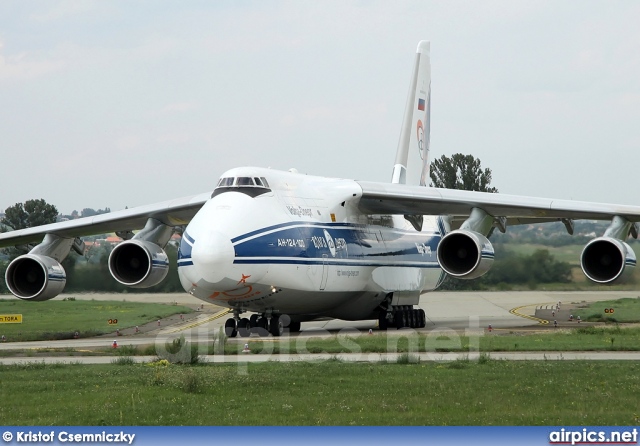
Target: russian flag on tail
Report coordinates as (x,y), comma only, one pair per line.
(421,104)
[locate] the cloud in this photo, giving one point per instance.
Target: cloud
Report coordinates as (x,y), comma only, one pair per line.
(26,66)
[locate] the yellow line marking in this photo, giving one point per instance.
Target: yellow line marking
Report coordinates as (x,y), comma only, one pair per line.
(202,321)
(516,312)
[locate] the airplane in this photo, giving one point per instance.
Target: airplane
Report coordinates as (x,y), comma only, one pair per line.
(285,247)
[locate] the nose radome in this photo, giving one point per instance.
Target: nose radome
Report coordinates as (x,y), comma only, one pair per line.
(212,256)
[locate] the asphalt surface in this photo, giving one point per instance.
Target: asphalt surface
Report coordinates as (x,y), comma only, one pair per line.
(346,357)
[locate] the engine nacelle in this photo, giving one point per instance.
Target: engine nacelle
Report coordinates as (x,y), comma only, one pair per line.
(465,254)
(35,277)
(138,264)
(606,259)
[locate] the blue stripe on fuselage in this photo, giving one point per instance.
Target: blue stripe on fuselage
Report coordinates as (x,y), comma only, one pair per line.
(345,244)
(186,245)
(310,243)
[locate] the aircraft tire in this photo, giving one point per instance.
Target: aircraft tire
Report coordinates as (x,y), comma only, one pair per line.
(230,328)
(406,316)
(275,327)
(423,318)
(244,327)
(294,327)
(383,323)
(253,323)
(417,319)
(262,327)
(399,319)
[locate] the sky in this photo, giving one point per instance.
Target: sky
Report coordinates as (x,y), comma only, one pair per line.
(120,103)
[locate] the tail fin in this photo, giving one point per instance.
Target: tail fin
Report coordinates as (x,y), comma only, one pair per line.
(412,158)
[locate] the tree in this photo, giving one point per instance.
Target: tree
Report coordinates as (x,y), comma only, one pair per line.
(21,216)
(89,212)
(3,269)
(460,172)
(31,213)
(539,267)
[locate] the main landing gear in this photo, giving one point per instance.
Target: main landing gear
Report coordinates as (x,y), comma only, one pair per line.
(404,316)
(262,325)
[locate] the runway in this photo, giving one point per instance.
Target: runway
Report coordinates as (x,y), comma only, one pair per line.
(459,311)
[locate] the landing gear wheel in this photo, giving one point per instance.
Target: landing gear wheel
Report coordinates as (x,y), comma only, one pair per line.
(261,327)
(423,318)
(294,327)
(244,328)
(406,315)
(399,319)
(383,323)
(230,328)
(275,327)
(253,323)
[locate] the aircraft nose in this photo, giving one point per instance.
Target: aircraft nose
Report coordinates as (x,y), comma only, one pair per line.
(212,256)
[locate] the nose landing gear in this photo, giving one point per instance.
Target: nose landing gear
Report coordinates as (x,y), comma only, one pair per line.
(259,324)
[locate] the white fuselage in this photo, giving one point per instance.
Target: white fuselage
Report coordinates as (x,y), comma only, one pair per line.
(296,244)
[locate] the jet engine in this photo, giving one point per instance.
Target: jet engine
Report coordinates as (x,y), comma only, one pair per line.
(607,259)
(465,254)
(138,264)
(35,277)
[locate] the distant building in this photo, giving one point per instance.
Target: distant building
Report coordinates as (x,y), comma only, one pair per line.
(175,240)
(88,245)
(113,240)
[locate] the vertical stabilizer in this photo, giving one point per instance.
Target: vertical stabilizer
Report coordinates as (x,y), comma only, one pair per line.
(412,158)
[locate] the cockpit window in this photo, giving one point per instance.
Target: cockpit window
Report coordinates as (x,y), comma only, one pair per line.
(258,181)
(245,181)
(226,182)
(264,182)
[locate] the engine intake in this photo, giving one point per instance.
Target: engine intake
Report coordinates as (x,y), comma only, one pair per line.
(138,264)
(35,277)
(606,260)
(465,254)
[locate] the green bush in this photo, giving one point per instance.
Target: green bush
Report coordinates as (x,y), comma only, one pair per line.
(123,360)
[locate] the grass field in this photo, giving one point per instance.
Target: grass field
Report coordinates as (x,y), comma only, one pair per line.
(624,310)
(59,319)
(332,393)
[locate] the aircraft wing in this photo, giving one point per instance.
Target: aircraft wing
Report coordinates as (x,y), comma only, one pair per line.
(172,213)
(388,198)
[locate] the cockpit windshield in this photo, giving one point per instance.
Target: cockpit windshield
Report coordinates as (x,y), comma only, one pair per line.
(252,186)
